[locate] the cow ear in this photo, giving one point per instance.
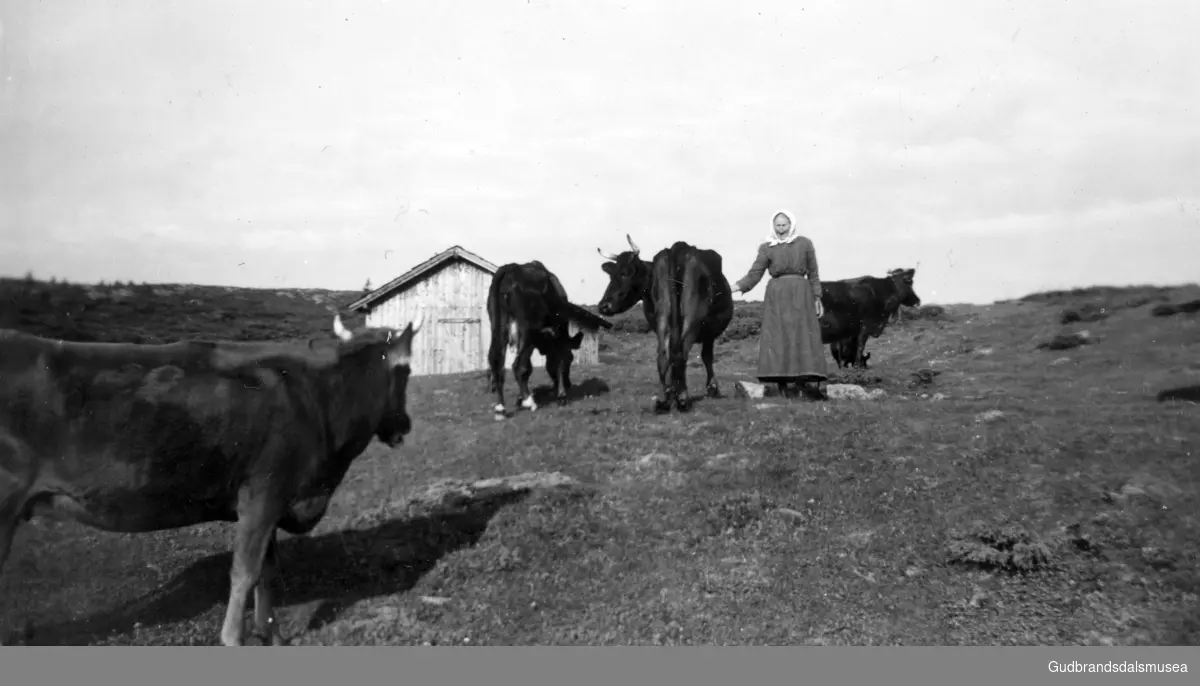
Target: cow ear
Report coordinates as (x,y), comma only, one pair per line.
(609,267)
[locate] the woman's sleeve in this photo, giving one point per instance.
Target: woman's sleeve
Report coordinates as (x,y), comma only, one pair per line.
(814,276)
(752,277)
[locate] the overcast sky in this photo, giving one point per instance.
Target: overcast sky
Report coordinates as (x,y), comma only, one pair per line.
(1006,147)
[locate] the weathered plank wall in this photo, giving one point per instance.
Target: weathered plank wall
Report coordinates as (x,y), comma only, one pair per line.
(457,331)
(455,336)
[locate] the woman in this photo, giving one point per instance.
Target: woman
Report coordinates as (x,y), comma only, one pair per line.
(790,347)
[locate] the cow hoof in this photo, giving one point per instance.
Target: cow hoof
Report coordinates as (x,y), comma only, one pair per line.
(529,404)
(714,391)
(683,404)
(562,401)
(661,407)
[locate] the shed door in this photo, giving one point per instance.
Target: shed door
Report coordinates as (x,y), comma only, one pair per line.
(457,342)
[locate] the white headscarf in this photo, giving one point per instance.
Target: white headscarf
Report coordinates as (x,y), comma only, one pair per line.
(774,239)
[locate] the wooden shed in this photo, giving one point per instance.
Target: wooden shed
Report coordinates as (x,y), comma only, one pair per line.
(453,287)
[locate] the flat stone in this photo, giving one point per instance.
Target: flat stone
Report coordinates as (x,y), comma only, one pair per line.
(754,391)
(846,391)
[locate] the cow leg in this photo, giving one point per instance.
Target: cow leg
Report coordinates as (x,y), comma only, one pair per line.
(11,503)
(552,372)
(498,388)
(860,348)
(663,403)
(843,352)
(264,596)
(564,374)
(706,356)
(522,370)
(496,367)
(683,399)
(255,529)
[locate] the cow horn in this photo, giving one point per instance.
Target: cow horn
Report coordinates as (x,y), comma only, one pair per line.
(416,323)
(340,329)
(606,256)
(632,245)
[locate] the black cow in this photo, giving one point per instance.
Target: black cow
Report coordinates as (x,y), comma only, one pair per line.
(528,307)
(686,300)
(135,438)
(856,309)
(843,349)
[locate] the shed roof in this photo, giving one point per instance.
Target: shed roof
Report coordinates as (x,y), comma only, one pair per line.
(578,313)
(414,274)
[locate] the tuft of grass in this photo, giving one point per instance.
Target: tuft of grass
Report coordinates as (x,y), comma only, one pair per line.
(1086,313)
(1007,548)
(1167,309)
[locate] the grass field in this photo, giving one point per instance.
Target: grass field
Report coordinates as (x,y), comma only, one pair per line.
(1024,496)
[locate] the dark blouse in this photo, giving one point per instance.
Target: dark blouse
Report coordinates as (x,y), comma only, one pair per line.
(797,257)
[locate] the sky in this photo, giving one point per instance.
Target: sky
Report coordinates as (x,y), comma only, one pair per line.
(999,147)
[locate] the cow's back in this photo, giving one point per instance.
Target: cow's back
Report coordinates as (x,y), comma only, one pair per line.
(529,293)
(130,442)
(695,289)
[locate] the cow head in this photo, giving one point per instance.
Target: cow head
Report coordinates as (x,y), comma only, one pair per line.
(903,278)
(386,355)
(628,280)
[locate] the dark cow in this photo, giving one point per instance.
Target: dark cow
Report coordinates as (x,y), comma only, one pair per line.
(860,308)
(842,349)
(528,308)
(136,438)
(686,300)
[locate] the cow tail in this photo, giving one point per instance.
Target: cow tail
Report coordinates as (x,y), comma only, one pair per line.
(678,275)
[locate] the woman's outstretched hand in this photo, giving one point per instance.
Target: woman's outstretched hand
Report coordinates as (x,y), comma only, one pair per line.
(820,309)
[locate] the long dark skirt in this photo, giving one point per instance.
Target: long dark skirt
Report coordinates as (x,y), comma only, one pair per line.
(790,346)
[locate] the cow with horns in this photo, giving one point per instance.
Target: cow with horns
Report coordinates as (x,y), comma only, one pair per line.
(686,300)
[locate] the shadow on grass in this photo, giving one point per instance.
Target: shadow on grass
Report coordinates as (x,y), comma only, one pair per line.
(1185,393)
(544,395)
(331,571)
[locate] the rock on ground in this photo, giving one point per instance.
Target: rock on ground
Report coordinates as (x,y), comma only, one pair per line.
(446,491)
(846,391)
(1066,341)
(754,391)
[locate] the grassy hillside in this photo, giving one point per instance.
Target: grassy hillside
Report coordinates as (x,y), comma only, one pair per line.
(163,313)
(1023,496)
